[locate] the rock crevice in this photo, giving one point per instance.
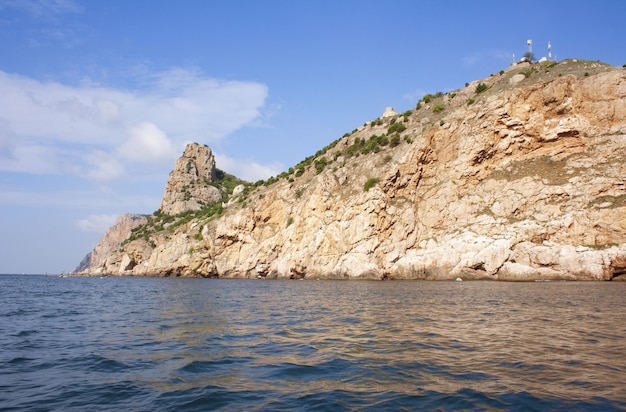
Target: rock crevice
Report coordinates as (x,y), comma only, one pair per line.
(524,181)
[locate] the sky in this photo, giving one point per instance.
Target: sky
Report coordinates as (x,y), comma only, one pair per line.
(99,98)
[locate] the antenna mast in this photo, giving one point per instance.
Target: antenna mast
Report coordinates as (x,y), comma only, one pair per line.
(549,51)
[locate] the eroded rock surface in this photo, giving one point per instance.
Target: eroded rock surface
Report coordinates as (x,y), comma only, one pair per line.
(110,242)
(523,181)
(188,186)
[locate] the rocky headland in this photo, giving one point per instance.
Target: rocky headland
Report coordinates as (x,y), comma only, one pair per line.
(519,176)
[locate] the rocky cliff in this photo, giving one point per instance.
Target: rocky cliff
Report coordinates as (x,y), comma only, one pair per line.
(519,176)
(189,184)
(111,241)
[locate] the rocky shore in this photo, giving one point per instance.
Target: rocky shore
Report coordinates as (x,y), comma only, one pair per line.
(517,177)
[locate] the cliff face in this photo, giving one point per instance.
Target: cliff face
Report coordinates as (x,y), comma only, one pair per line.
(112,240)
(517,177)
(188,185)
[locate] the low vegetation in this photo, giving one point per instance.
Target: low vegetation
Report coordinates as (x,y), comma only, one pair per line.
(390,135)
(396,126)
(482,87)
(370,183)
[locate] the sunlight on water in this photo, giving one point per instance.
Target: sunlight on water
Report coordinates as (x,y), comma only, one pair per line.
(198,344)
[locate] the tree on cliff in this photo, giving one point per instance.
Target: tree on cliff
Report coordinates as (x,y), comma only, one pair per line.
(528,57)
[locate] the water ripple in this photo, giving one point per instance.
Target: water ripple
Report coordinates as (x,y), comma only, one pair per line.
(197,344)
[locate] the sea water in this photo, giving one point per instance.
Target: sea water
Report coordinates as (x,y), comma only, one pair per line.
(149,344)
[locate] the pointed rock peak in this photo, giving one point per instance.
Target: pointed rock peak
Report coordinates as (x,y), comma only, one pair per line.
(389,112)
(197,161)
(188,185)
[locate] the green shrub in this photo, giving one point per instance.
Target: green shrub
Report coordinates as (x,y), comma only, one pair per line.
(396,128)
(470,101)
(320,164)
(395,140)
(369,145)
(481,88)
(427,98)
(438,108)
(289,221)
(370,183)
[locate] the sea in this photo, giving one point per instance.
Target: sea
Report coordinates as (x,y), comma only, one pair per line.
(173,344)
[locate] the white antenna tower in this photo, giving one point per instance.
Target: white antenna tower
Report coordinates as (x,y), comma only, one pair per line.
(549,51)
(530,45)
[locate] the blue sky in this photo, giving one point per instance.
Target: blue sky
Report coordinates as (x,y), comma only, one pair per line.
(98,98)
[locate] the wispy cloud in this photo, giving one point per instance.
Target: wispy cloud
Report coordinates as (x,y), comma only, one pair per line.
(101,199)
(246,169)
(96,223)
(476,58)
(472,59)
(96,132)
(42,8)
(414,96)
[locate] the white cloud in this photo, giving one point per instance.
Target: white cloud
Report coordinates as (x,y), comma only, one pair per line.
(147,143)
(101,166)
(245,169)
(94,132)
(96,223)
(104,199)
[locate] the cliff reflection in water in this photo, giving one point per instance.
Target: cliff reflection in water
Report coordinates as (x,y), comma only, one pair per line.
(198,344)
(551,339)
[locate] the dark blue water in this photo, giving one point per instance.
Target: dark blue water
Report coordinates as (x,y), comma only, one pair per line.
(145,344)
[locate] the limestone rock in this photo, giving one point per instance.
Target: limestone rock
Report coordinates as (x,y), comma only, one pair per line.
(188,186)
(111,241)
(517,78)
(526,183)
(389,112)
